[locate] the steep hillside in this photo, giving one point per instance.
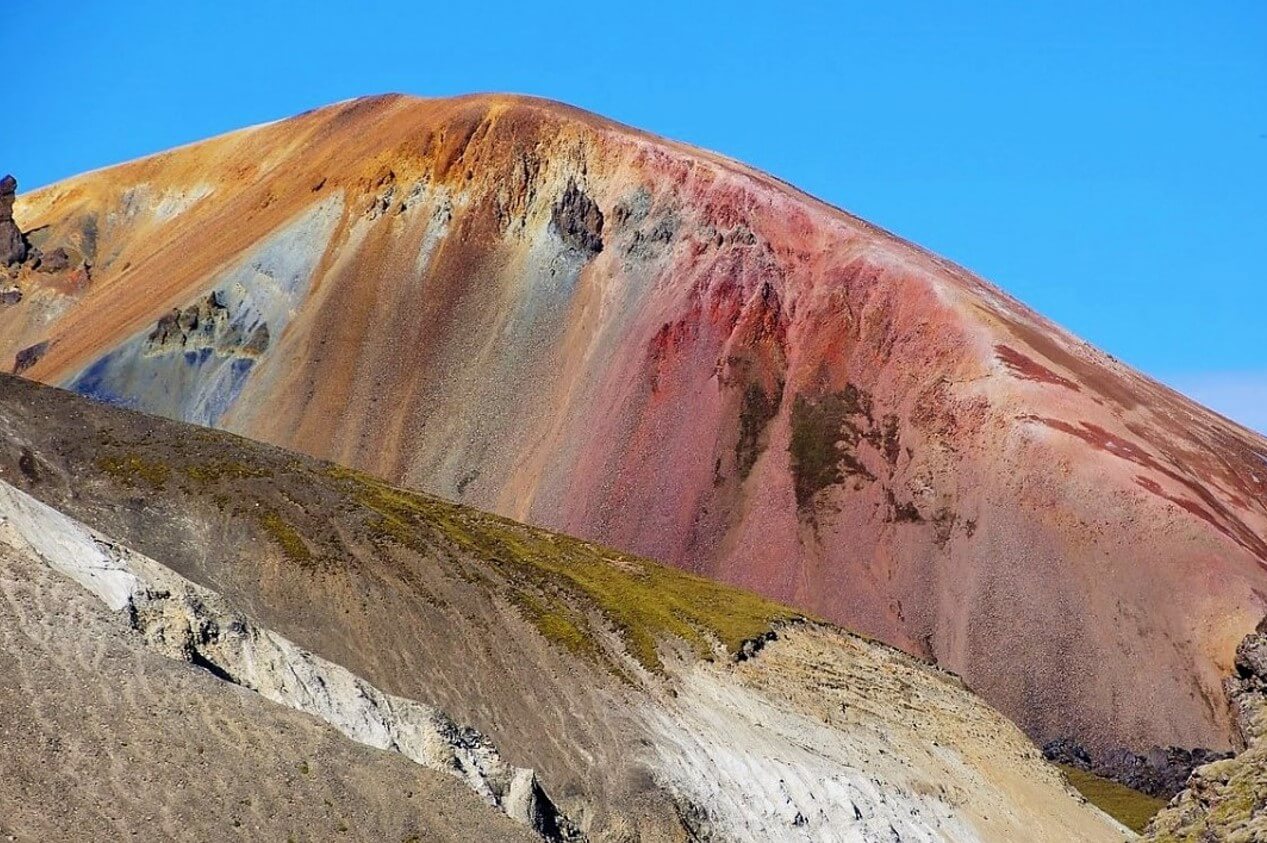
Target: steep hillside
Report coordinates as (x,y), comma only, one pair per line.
(638,701)
(526,308)
(103,739)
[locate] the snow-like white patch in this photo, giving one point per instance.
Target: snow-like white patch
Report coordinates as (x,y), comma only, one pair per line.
(65,546)
(759,771)
(437,227)
(176,201)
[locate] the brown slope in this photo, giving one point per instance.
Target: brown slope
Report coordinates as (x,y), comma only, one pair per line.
(103,740)
(527,308)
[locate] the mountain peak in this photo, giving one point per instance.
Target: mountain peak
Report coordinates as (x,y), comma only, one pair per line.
(521,306)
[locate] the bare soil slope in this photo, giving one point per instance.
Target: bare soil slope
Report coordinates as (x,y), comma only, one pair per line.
(102,739)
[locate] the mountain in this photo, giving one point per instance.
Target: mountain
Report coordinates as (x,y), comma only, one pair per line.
(201,634)
(526,308)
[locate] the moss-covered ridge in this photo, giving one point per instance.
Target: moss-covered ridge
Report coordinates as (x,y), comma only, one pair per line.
(560,582)
(575,593)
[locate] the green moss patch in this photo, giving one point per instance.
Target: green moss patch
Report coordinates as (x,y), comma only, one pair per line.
(287,537)
(755,413)
(558,581)
(825,432)
(131,469)
(1129,807)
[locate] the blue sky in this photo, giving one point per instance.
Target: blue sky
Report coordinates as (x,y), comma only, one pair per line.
(1104,162)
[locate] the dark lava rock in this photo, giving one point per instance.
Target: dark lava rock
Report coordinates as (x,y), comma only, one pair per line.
(1067,751)
(57,260)
(29,356)
(578,220)
(13,245)
(1160,772)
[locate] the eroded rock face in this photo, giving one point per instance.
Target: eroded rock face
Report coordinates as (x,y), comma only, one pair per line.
(578,220)
(1162,771)
(1227,800)
(206,324)
(57,260)
(13,245)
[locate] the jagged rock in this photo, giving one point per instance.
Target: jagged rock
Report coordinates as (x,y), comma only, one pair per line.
(29,356)
(13,245)
(10,295)
(578,220)
(1227,800)
(1069,752)
(206,324)
(57,260)
(1160,772)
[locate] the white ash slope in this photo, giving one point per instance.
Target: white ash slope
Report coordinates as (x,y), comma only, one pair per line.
(825,736)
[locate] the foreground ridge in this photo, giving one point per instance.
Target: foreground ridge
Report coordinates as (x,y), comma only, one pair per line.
(651,704)
(192,624)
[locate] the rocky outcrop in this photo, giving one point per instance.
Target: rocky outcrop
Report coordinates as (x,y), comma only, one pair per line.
(192,624)
(578,220)
(1227,800)
(13,245)
(29,356)
(206,325)
(1160,772)
(57,260)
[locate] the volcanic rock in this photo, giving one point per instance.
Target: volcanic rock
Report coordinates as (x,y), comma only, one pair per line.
(13,246)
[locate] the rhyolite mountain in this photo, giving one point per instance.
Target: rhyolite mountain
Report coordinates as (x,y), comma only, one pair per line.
(203,637)
(516,305)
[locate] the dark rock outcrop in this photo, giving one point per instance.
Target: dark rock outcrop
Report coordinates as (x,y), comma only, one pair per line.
(1160,772)
(57,260)
(13,245)
(578,220)
(206,324)
(29,356)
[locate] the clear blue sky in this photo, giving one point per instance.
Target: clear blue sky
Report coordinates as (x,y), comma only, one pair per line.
(1105,162)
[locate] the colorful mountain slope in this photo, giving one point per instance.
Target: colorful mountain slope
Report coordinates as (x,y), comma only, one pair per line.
(527,308)
(581,691)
